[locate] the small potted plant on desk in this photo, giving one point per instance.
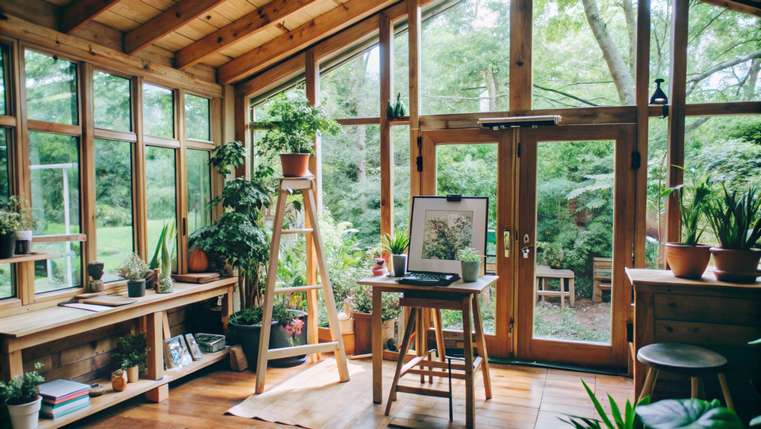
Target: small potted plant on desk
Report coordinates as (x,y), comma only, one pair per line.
(134,270)
(735,219)
(688,259)
(470,264)
(397,245)
(131,353)
(10,222)
(292,130)
(23,399)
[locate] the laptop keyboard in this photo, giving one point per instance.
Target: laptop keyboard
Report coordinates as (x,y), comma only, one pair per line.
(429,279)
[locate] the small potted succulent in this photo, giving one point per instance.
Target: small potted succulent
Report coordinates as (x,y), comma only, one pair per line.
(735,219)
(22,398)
(134,269)
(10,222)
(397,245)
(470,262)
(688,258)
(291,132)
(130,354)
(24,232)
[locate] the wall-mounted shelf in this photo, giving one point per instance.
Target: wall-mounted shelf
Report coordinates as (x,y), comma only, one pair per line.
(29,257)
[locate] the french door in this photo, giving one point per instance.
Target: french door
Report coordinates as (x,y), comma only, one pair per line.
(574,238)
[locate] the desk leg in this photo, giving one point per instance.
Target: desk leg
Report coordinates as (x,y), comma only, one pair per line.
(227,306)
(154,336)
(13,366)
(377,340)
(470,403)
(481,347)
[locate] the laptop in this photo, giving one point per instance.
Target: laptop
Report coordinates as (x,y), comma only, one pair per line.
(439,226)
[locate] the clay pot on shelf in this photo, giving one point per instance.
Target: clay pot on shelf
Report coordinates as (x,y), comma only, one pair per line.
(198,261)
(119,380)
(133,374)
(136,288)
(734,265)
(687,261)
(295,164)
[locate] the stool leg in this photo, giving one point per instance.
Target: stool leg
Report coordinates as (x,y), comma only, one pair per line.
(400,361)
(481,347)
(470,402)
(694,383)
(647,388)
(725,391)
(420,335)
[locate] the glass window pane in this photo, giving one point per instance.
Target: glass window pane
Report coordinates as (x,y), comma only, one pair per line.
(160,177)
(113,203)
(3,65)
(113,108)
(400,139)
(465,58)
(54,164)
(51,88)
(6,280)
(199,189)
(401,70)
(197,118)
(657,179)
(581,65)
(352,89)
(158,111)
(63,270)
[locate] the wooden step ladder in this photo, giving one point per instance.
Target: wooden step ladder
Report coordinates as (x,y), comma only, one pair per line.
(305,186)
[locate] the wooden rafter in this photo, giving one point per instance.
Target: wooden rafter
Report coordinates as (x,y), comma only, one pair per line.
(752,7)
(78,12)
(264,17)
(167,21)
(275,50)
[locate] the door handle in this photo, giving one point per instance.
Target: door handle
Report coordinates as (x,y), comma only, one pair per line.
(526,249)
(506,242)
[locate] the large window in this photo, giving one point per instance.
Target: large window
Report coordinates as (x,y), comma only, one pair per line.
(400,140)
(161,192)
(465,58)
(352,88)
(197,118)
(198,189)
(6,280)
(583,53)
(3,67)
(113,202)
(51,88)
(113,108)
(158,111)
(54,165)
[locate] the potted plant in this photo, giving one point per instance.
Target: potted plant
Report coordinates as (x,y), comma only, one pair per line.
(362,307)
(165,284)
(24,232)
(688,258)
(470,262)
(134,270)
(130,354)
(22,398)
(735,219)
(153,276)
(10,222)
(396,245)
(294,125)
(119,380)
(288,329)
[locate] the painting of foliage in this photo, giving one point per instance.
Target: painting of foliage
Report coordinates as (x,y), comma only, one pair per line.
(445,232)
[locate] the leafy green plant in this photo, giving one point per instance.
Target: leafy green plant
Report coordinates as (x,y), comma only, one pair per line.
(361,302)
(553,255)
(395,110)
(133,268)
(396,244)
(617,419)
(294,126)
(692,205)
(22,389)
(688,413)
(10,216)
(468,254)
(736,218)
(248,316)
(166,236)
(228,156)
(130,350)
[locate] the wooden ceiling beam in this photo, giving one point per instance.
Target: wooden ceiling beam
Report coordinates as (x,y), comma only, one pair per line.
(752,7)
(264,17)
(167,21)
(282,46)
(78,12)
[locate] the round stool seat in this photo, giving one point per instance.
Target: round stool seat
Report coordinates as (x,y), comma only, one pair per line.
(683,358)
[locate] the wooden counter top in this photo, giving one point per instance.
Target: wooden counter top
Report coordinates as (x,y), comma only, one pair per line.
(661,278)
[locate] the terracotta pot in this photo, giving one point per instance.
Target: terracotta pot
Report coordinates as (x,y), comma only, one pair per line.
(119,380)
(687,262)
(362,332)
(739,266)
(133,374)
(295,164)
(198,261)
(324,336)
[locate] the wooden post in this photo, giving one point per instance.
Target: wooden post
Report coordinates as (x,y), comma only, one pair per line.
(520,54)
(139,202)
(643,100)
(679,22)
(414,35)
(87,170)
(312,68)
(180,181)
(386,145)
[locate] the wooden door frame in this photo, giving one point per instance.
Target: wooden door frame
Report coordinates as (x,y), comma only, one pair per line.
(589,354)
(499,344)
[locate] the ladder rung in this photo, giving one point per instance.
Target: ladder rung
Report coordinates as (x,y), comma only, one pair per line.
(297,231)
(295,289)
(302,350)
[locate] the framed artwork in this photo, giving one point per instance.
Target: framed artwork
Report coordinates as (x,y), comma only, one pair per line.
(176,352)
(440,226)
(195,350)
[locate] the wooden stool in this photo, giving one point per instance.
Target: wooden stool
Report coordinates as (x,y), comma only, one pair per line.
(468,305)
(685,359)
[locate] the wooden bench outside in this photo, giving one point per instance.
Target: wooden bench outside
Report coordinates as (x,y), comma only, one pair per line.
(601,277)
(566,289)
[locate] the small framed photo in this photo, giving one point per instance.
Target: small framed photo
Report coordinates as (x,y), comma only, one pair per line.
(173,352)
(195,350)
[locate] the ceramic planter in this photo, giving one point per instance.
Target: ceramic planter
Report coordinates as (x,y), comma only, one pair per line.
(295,164)
(119,380)
(7,245)
(133,374)
(686,261)
(400,265)
(198,261)
(25,416)
(23,242)
(248,337)
(733,265)
(470,271)
(136,288)
(279,337)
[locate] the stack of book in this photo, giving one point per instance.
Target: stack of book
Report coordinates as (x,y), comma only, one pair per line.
(62,397)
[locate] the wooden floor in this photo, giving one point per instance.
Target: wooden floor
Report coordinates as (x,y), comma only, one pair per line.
(524,397)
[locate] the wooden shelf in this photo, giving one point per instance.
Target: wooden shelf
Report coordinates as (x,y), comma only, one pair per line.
(111,398)
(29,257)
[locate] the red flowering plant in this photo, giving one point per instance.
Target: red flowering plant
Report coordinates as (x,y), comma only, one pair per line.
(289,320)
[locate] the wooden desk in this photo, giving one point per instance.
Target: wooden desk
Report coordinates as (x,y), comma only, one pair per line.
(566,287)
(718,315)
(464,291)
